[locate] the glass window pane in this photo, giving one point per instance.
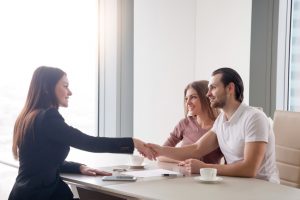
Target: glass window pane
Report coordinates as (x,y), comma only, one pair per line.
(53,33)
(294,68)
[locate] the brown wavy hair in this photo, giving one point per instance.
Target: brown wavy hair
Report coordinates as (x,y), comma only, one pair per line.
(41,95)
(201,87)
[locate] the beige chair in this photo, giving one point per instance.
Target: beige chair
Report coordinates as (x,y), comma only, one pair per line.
(287,138)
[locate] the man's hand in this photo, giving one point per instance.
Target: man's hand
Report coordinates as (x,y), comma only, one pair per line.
(155,147)
(192,166)
(85,170)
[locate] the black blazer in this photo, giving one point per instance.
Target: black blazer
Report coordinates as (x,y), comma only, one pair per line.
(42,157)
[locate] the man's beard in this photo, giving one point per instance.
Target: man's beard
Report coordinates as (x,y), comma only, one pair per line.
(218,104)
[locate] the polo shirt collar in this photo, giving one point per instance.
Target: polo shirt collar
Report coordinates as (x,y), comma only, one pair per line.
(237,114)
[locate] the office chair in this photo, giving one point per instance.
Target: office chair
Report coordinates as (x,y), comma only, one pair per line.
(287,143)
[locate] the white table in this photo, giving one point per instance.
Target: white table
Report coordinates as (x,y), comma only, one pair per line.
(187,187)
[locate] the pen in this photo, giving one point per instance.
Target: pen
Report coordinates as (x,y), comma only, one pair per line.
(172,175)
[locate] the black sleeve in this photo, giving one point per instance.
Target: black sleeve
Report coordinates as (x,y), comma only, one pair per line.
(70,167)
(57,130)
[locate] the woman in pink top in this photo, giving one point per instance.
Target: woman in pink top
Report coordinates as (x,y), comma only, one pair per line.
(199,118)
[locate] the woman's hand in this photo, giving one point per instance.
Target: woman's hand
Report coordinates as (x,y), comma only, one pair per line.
(85,170)
(192,166)
(144,149)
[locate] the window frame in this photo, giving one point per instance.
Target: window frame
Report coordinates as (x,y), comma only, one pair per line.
(283,54)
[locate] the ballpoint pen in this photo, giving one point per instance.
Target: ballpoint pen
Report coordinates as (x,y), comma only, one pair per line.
(172,175)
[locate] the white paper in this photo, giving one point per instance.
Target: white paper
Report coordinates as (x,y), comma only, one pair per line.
(150,173)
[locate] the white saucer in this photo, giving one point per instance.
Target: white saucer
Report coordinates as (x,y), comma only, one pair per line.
(142,166)
(201,179)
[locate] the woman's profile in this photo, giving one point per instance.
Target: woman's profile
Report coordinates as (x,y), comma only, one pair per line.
(42,140)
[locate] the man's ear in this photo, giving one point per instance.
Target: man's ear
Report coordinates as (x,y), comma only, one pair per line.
(231,87)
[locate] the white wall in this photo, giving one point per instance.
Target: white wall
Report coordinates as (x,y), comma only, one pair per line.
(223,38)
(179,41)
(164,43)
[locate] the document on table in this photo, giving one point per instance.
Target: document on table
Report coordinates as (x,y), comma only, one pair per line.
(151,173)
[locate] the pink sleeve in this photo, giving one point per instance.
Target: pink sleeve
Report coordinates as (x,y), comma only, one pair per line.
(175,136)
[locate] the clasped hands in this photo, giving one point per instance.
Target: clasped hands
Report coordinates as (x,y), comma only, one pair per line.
(148,150)
(145,149)
(152,151)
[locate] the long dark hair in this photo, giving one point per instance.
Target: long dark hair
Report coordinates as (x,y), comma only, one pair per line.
(41,95)
(201,87)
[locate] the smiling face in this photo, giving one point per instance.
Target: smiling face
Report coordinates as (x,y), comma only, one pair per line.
(192,102)
(62,91)
(217,92)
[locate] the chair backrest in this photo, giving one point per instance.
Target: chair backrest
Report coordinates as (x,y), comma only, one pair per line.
(287,136)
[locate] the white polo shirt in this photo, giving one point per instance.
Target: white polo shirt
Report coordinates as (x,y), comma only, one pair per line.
(247,124)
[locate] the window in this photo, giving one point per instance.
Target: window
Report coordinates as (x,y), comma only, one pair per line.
(53,33)
(294,63)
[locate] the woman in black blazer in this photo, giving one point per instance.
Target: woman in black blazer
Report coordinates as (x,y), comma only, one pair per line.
(42,141)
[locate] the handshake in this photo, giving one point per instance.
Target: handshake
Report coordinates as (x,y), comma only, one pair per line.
(148,150)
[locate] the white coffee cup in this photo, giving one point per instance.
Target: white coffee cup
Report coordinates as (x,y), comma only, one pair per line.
(136,160)
(208,173)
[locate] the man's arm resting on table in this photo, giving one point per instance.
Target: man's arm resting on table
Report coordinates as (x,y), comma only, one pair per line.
(254,153)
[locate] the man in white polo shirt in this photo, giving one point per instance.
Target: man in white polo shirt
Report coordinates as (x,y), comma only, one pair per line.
(243,134)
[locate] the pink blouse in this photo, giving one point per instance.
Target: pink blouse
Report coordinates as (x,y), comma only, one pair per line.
(188,132)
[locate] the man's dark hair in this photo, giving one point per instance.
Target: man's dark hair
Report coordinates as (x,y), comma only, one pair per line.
(230,75)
